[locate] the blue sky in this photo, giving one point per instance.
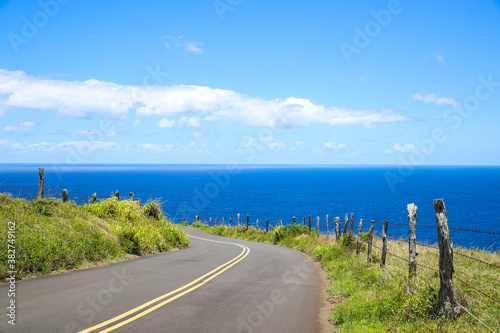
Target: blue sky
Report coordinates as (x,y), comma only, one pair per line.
(240,81)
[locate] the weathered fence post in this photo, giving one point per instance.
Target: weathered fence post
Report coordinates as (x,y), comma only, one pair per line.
(352,222)
(337,228)
(370,243)
(41,182)
(446,269)
(65,195)
(138,201)
(294,220)
(317,226)
(304,221)
(223,220)
(257,224)
(384,244)
(184,221)
(216,221)
(281,222)
(309,224)
(412,239)
(248,221)
(131,196)
(238,219)
(197,219)
(327,227)
(210,222)
(267,226)
(93,198)
(204,220)
(229,222)
(117,195)
(346,223)
(360,229)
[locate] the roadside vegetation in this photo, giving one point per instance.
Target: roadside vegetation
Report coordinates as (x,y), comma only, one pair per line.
(367,298)
(51,235)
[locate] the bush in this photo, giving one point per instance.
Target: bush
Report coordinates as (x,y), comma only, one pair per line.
(153,209)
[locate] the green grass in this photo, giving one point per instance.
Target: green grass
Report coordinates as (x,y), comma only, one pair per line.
(53,236)
(367,298)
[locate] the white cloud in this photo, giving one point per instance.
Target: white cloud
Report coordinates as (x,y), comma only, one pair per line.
(137,122)
(163,123)
(188,45)
(194,47)
(18,128)
(333,145)
(267,138)
(300,143)
(388,151)
(440,59)
(432,98)
(189,122)
(88,132)
(408,148)
(274,145)
(79,99)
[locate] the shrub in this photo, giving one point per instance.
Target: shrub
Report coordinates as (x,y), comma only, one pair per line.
(153,209)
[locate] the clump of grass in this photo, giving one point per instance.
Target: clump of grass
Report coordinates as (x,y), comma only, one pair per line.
(153,209)
(52,236)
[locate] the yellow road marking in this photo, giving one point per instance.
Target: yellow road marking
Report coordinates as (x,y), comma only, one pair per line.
(216,272)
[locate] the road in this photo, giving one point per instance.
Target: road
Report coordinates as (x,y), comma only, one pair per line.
(216,285)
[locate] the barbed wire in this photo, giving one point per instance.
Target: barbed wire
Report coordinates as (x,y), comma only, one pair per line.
(479,320)
(474,288)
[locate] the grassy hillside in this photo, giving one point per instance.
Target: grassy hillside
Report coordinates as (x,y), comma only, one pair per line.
(367,298)
(50,235)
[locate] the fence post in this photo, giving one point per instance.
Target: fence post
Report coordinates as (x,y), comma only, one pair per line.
(204,220)
(238,219)
(64,195)
(248,221)
(184,221)
(346,223)
(131,196)
(384,244)
(267,226)
(93,198)
(327,227)
(117,194)
(138,201)
(210,222)
(216,220)
(370,243)
(257,224)
(229,222)
(446,269)
(223,220)
(337,228)
(352,222)
(360,229)
(412,239)
(41,182)
(197,219)
(309,225)
(294,220)
(304,221)
(317,226)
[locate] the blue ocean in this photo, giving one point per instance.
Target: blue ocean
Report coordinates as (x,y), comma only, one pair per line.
(278,193)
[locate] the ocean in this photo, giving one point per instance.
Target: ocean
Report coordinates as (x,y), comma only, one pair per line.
(277,193)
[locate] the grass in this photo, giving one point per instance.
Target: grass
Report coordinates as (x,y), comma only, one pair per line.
(367,298)
(51,236)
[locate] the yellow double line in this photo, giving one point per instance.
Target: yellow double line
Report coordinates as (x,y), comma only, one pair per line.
(177,293)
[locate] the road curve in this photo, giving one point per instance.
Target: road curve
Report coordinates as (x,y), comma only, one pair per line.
(216,285)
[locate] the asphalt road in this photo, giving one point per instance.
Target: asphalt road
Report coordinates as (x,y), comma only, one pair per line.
(216,285)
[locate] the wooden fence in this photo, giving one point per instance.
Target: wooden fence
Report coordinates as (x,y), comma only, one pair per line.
(445,245)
